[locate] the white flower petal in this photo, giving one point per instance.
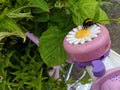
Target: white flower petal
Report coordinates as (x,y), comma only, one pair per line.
(73,41)
(82,41)
(95,31)
(77,42)
(88,39)
(69,39)
(92,31)
(98,27)
(98,31)
(90,36)
(93,27)
(72,33)
(79,27)
(75,29)
(93,35)
(69,36)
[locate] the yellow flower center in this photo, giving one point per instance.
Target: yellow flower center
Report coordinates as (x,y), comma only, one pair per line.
(82,33)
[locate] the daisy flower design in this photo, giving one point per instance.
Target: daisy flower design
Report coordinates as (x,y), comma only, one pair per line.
(79,35)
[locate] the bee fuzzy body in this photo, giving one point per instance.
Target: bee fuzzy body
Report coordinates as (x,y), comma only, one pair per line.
(87,23)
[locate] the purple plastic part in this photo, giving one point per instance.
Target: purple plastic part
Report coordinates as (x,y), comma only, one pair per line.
(107,53)
(32,37)
(82,64)
(98,66)
(55,69)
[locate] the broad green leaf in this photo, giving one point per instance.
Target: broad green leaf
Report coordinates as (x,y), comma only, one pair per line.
(86,9)
(82,10)
(40,4)
(61,19)
(100,16)
(103,18)
(11,25)
(51,46)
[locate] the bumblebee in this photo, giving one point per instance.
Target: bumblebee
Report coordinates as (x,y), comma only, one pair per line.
(87,23)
